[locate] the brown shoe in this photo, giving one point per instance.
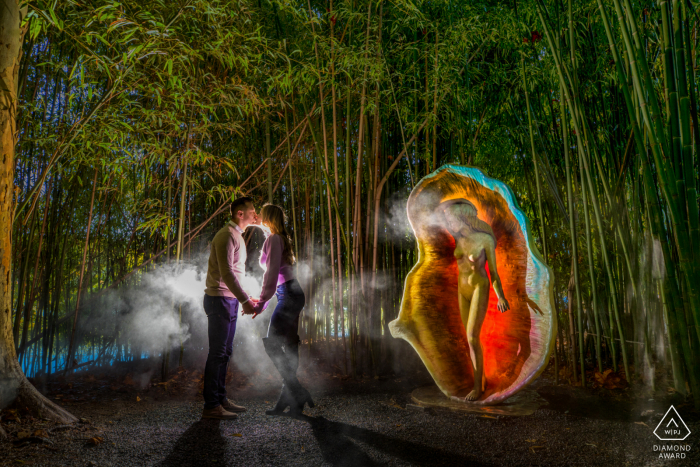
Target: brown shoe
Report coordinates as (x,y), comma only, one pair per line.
(229,406)
(219,413)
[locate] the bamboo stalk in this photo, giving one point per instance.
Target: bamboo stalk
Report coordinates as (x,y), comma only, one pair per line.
(291,185)
(165,365)
(339,316)
(689,257)
(37,272)
(594,200)
(23,281)
(71,345)
(534,162)
(574,248)
(269,159)
(348,195)
(180,238)
(686,156)
(677,318)
(570,196)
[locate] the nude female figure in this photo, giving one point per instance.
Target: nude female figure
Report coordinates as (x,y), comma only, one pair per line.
(475,247)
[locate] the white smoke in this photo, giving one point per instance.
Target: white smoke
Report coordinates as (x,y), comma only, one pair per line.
(165,309)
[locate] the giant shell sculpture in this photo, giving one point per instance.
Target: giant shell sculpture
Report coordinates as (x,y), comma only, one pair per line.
(517,343)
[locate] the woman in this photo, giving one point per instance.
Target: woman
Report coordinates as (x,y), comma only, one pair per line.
(282,341)
(475,246)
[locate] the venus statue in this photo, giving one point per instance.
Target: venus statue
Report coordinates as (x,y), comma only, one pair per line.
(475,247)
(481,346)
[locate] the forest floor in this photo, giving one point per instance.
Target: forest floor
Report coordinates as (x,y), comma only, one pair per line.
(130,420)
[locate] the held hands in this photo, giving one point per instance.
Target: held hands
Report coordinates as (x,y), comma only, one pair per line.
(503,305)
(259,308)
(253,307)
(248,307)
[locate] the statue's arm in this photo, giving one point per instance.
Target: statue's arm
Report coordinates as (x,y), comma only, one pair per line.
(495,279)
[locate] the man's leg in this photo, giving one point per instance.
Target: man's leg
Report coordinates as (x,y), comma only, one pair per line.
(218,330)
(232,307)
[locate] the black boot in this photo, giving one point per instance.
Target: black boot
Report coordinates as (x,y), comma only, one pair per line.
(301,394)
(293,393)
(284,401)
(274,350)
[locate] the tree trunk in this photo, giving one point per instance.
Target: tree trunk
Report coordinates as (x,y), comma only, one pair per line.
(13,383)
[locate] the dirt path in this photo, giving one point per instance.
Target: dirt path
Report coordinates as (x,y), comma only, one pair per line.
(357,424)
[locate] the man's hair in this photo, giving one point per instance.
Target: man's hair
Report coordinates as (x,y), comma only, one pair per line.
(239,204)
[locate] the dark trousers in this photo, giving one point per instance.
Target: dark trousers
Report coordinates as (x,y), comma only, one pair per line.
(222,313)
(284,322)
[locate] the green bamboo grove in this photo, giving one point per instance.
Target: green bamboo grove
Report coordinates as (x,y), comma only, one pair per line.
(140,121)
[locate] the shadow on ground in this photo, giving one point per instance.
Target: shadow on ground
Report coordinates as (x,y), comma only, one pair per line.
(339,446)
(583,403)
(201,444)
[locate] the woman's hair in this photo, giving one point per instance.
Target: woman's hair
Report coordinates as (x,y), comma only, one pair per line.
(466,212)
(274,217)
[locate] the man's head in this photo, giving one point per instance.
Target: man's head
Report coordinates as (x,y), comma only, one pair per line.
(243,212)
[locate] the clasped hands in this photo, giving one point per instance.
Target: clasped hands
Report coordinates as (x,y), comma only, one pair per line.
(253,307)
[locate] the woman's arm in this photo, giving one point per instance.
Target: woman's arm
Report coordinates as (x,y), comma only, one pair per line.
(272,249)
(490,249)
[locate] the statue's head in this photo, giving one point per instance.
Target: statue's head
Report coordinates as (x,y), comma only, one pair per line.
(462,214)
(459,214)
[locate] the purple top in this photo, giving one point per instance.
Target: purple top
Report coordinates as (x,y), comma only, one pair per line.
(277,270)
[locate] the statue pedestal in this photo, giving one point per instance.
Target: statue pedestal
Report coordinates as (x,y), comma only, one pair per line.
(525,402)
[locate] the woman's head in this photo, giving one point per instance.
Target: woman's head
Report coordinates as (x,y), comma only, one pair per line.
(273,217)
(462,213)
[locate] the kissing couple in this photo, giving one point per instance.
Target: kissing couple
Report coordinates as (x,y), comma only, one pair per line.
(224,293)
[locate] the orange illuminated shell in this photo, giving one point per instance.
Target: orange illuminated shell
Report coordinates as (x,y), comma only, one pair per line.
(516,343)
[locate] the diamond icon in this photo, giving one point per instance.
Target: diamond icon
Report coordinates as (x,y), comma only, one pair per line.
(672,427)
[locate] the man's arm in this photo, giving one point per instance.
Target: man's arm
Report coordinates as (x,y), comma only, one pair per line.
(225,257)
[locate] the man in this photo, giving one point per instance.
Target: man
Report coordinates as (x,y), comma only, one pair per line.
(225,270)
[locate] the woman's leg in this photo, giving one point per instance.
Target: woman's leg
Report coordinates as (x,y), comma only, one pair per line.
(282,345)
(274,347)
(295,300)
(276,328)
(477,313)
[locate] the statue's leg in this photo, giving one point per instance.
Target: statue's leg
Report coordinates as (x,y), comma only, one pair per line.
(464,309)
(477,313)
